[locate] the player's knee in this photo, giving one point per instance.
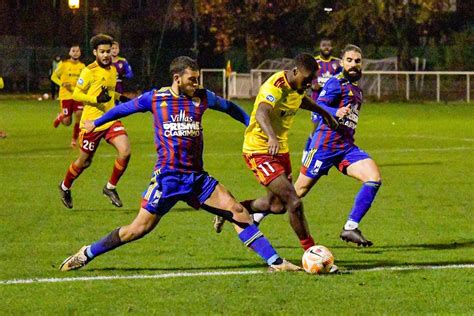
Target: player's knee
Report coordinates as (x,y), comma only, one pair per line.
(124,153)
(376,182)
(87,163)
(240,214)
(66,120)
(294,203)
(277,208)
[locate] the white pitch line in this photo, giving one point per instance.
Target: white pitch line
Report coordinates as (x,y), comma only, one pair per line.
(216,273)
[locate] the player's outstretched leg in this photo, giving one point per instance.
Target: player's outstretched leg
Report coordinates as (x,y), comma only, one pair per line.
(222,203)
(141,225)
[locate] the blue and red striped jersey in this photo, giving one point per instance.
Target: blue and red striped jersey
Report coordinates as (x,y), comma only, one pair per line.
(336,93)
(124,70)
(177,124)
(328,68)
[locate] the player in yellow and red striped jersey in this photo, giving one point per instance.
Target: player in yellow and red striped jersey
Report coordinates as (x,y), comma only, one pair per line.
(65,76)
(95,83)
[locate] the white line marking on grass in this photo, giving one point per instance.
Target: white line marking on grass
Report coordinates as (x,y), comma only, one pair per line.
(217,273)
(129,277)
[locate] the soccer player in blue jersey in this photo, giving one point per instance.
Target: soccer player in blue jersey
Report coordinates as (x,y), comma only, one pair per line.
(124,70)
(329,66)
(342,97)
(178,174)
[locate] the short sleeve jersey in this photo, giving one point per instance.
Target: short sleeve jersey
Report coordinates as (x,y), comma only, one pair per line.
(68,71)
(91,81)
(277,92)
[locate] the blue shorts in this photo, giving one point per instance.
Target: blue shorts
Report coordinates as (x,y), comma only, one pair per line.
(317,162)
(166,189)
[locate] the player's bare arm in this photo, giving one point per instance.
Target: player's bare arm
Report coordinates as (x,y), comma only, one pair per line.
(263,118)
(308,104)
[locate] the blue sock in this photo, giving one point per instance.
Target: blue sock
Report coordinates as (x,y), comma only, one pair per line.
(109,242)
(364,200)
(252,237)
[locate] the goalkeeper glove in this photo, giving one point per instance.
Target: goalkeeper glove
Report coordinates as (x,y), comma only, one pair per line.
(104,96)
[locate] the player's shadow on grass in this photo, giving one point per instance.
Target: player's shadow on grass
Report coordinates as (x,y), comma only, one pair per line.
(355,265)
(418,247)
(180,269)
(408,247)
(403,164)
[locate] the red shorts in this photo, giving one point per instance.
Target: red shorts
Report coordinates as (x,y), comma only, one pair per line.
(90,141)
(267,167)
(70,106)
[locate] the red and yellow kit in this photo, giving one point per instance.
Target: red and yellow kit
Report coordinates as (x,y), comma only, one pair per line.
(66,76)
(89,86)
(276,91)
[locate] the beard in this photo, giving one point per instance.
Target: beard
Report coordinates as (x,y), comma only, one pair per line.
(101,64)
(353,77)
(325,54)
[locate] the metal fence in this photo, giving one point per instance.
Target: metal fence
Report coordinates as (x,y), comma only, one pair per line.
(379,85)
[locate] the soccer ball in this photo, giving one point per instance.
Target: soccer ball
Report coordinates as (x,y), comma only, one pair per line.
(317,260)
(45,96)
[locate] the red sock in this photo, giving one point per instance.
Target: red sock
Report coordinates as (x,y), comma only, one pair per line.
(72,173)
(307,243)
(119,168)
(76,130)
(58,120)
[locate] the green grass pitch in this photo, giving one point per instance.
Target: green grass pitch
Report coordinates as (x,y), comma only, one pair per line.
(421,217)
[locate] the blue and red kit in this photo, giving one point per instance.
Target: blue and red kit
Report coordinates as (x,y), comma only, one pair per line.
(124,70)
(327,147)
(328,68)
(178,172)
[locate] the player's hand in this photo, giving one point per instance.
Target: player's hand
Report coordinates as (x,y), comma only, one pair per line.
(67,86)
(123,98)
(315,86)
(273,146)
(104,96)
(89,126)
(343,112)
